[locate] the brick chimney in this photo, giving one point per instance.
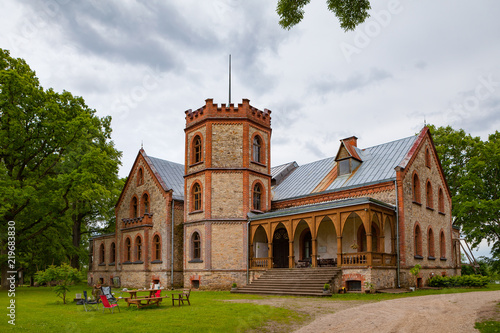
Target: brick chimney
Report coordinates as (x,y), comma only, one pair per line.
(353,141)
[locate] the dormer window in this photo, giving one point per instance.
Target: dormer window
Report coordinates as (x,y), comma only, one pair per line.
(347,166)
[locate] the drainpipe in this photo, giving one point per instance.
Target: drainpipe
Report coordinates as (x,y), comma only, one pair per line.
(397,232)
(248,250)
(172,242)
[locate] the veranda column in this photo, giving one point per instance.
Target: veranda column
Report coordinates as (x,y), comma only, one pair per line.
(314,253)
(291,262)
(270,255)
(369,248)
(339,251)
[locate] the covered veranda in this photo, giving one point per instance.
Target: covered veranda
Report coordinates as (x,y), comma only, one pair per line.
(343,233)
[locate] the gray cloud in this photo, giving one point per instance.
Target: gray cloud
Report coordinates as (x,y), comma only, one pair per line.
(356,81)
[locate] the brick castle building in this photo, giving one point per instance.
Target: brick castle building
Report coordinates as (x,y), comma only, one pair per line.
(227,216)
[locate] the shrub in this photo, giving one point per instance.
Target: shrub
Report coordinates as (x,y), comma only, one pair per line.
(63,276)
(458,281)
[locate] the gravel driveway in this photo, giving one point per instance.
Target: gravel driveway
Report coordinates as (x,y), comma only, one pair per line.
(436,313)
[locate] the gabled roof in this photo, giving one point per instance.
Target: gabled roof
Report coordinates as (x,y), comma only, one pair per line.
(171,174)
(378,166)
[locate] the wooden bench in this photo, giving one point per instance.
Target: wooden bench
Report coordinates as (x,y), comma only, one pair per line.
(327,262)
(144,301)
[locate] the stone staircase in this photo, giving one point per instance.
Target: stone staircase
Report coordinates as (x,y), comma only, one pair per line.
(295,281)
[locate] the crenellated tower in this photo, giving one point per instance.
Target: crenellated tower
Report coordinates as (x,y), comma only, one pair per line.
(227,175)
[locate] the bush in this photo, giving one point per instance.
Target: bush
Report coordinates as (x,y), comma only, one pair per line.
(63,276)
(459,281)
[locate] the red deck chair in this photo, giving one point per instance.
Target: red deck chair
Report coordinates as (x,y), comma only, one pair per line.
(107,305)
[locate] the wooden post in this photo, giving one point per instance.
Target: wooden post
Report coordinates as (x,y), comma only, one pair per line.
(291,262)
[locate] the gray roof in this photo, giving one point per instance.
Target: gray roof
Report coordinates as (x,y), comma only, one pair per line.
(378,165)
(318,207)
(172,174)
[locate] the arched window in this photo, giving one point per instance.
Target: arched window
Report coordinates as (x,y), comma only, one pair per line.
(427,158)
(442,245)
(430,243)
(197,150)
(418,242)
(128,249)
(135,210)
(257,149)
(140,177)
(375,238)
(138,248)
(112,252)
(157,247)
(257,197)
(416,188)
(196,197)
(428,192)
(102,254)
(145,203)
(441,201)
(196,246)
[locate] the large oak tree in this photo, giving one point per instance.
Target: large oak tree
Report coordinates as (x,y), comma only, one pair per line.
(58,169)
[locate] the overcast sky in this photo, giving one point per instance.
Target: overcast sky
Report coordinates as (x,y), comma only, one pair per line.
(146,62)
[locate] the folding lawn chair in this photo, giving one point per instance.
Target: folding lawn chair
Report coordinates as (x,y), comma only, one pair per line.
(107,305)
(106,291)
(92,305)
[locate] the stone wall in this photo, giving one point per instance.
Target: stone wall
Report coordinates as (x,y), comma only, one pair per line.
(227,195)
(227,145)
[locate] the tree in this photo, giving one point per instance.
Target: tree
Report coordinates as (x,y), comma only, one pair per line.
(472,170)
(58,168)
(62,276)
(351,13)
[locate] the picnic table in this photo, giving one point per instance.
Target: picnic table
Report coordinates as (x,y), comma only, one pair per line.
(142,301)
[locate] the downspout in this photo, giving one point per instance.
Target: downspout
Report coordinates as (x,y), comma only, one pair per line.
(397,232)
(172,242)
(248,250)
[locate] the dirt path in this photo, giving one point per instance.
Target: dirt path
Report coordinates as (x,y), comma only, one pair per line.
(436,313)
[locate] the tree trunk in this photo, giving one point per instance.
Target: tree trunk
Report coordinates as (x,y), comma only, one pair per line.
(77,237)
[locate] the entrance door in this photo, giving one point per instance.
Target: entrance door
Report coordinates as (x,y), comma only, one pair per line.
(280,248)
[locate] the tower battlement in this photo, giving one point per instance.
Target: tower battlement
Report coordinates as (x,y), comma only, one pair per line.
(222,111)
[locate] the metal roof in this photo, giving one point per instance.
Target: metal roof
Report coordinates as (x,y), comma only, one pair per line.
(303,179)
(378,165)
(318,207)
(172,174)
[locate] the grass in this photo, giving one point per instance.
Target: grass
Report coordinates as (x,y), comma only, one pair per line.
(40,310)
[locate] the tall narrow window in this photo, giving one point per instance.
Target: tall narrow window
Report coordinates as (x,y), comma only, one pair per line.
(197,197)
(442,245)
(197,149)
(429,199)
(441,201)
(138,248)
(145,203)
(157,247)
(257,197)
(102,255)
(427,158)
(430,243)
(135,210)
(196,245)
(128,248)
(257,149)
(112,252)
(416,188)
(140,177)
(418,241)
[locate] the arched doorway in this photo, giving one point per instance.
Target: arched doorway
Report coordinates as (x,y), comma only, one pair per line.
(280,248)
(306,245)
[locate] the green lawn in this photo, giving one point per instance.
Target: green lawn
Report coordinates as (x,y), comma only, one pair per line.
(40,310)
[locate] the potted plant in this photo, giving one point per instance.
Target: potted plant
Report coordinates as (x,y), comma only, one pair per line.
(326,289)
(369,287)
(415,271)
(234,286)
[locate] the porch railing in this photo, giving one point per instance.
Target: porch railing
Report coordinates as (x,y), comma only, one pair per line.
(260,263)
(368,259)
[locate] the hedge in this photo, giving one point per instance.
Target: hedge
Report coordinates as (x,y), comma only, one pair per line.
(459,281)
